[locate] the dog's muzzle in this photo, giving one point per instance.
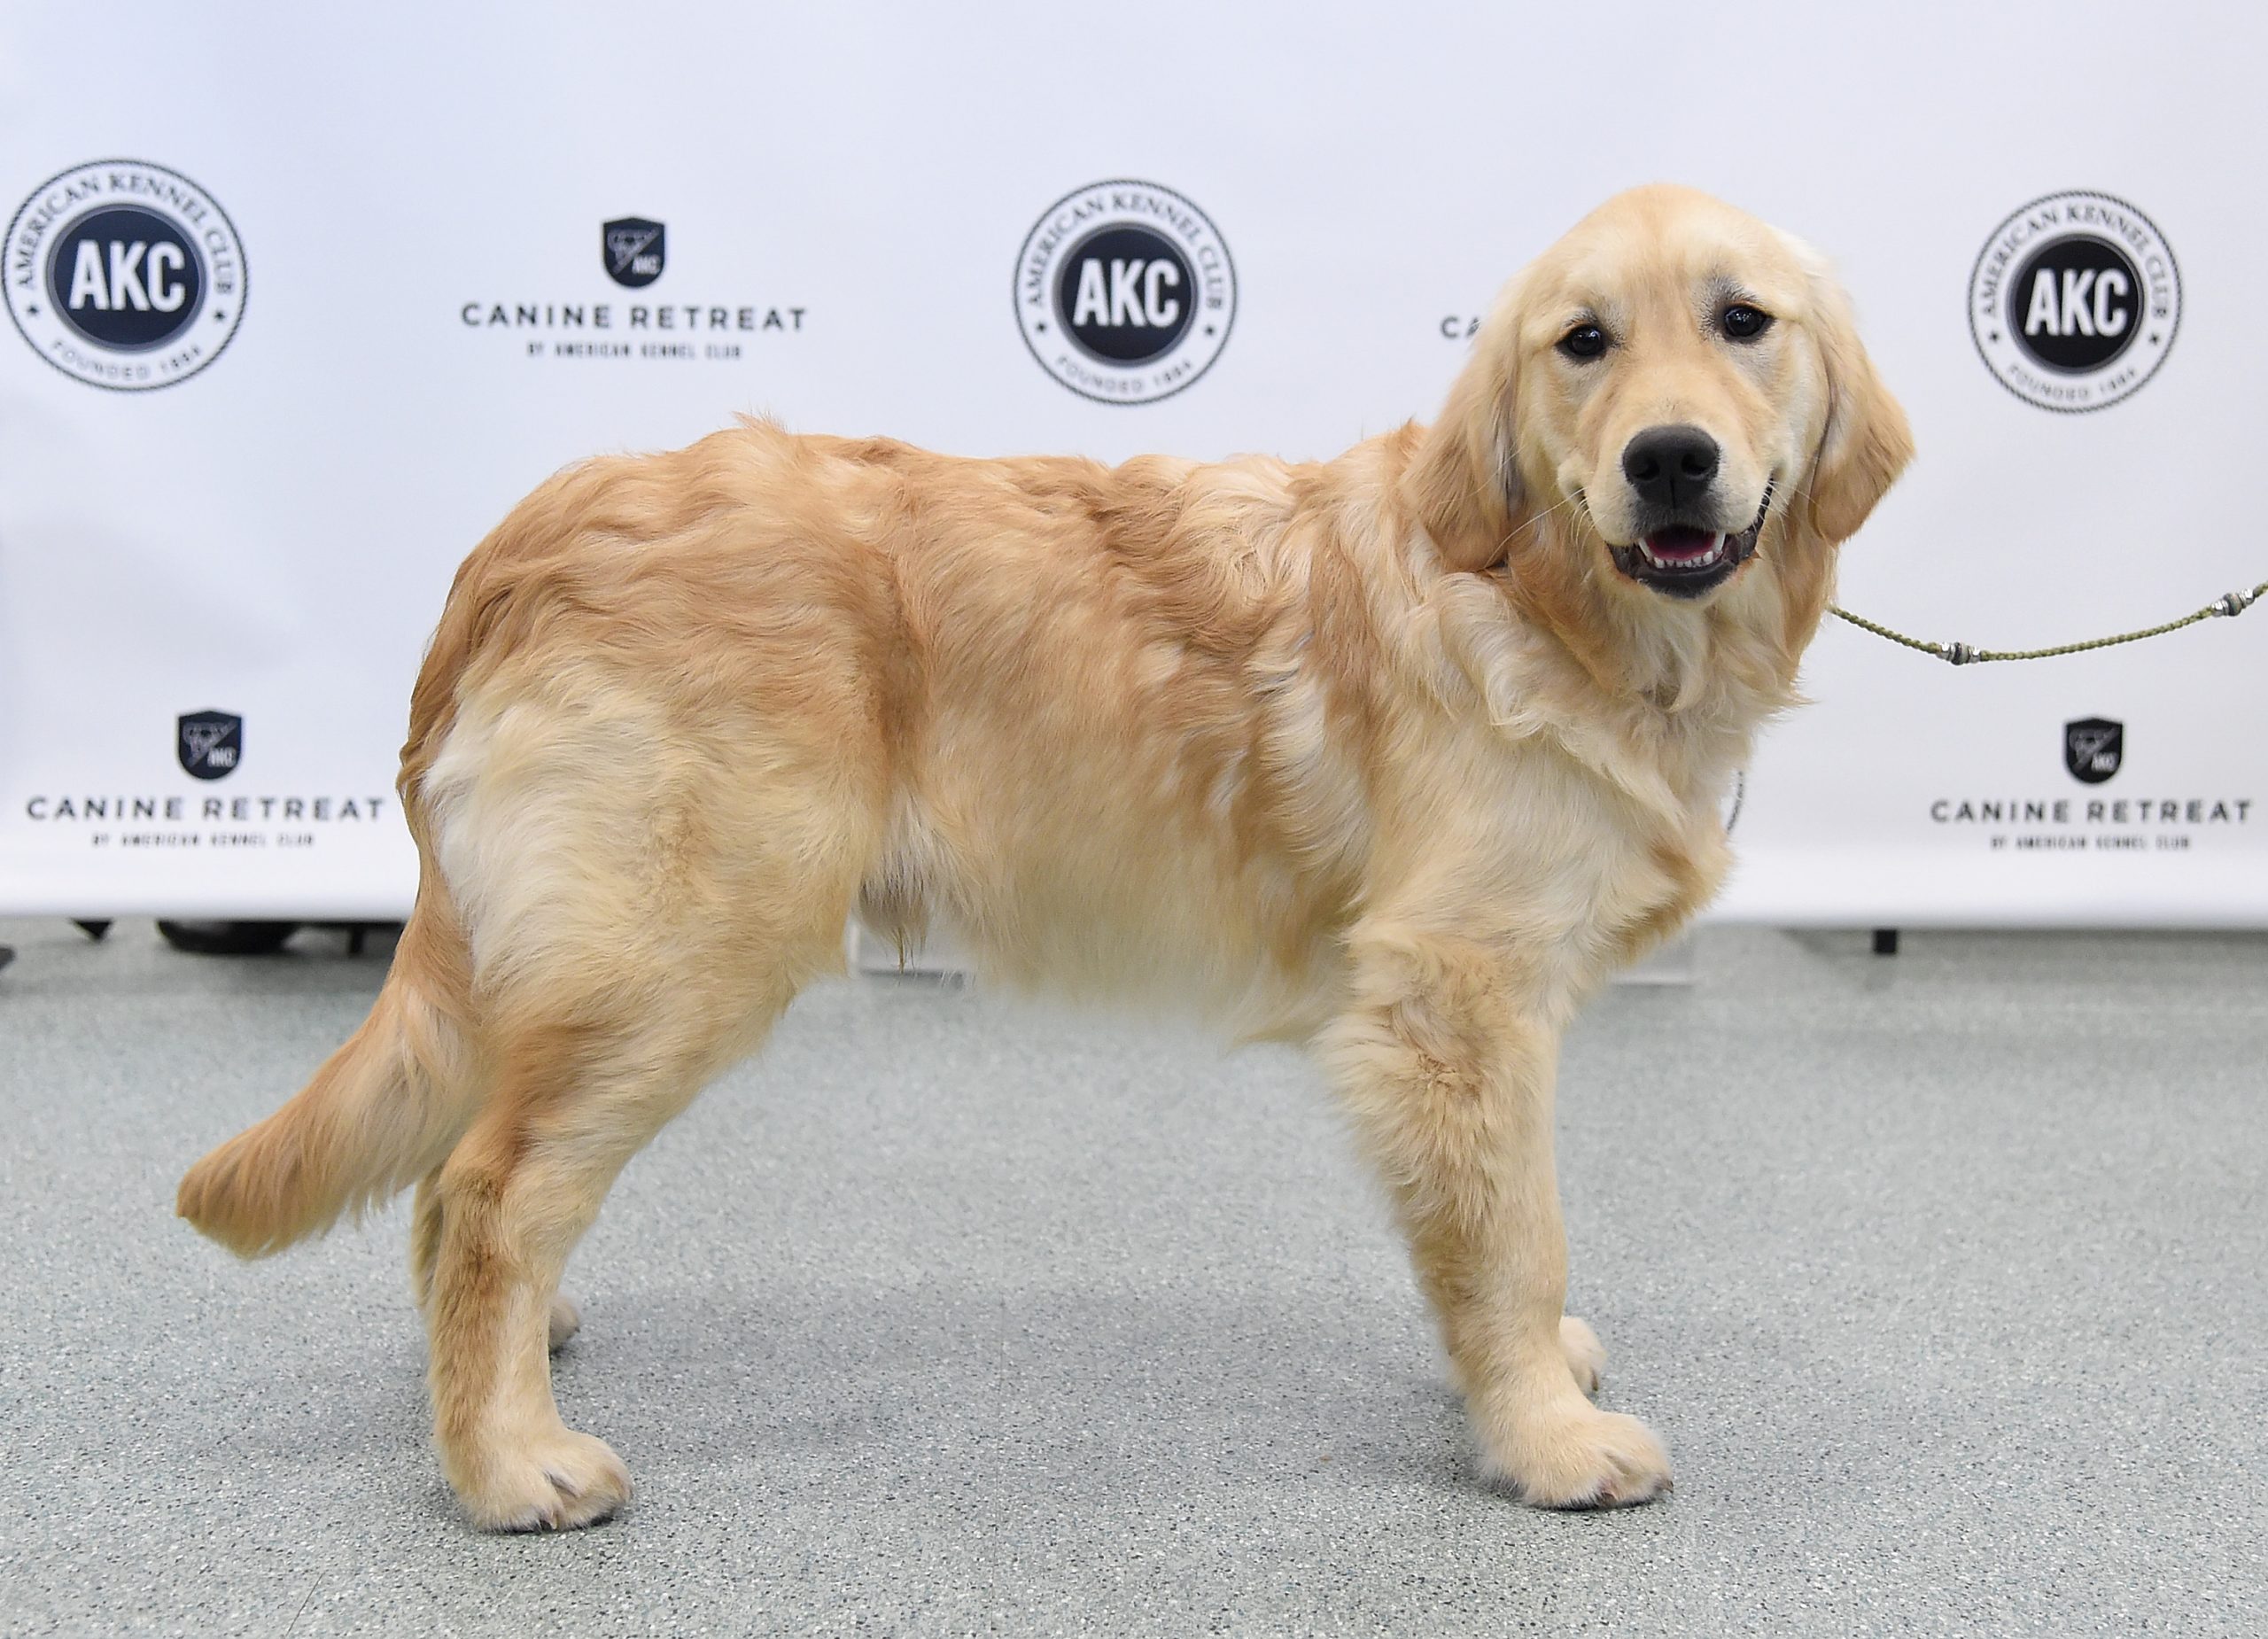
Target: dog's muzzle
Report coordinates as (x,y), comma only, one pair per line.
(1684,560)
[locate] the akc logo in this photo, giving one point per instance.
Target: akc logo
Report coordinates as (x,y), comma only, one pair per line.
(2074,301)
(1125,293)
(125,275)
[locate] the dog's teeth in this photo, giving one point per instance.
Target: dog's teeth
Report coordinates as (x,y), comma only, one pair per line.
(1702,561)
(1705,559)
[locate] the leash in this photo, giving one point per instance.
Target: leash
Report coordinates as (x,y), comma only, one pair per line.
(2232,604)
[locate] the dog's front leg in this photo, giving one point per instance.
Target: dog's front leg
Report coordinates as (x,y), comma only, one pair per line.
(1446,1058)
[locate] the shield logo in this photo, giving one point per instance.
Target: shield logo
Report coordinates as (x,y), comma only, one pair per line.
(210,744)
(2093,746)
(632,249)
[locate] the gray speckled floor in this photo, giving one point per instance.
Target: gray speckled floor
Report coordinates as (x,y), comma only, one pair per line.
(1942,1276)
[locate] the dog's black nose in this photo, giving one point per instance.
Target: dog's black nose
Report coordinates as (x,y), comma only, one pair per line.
(1670,467)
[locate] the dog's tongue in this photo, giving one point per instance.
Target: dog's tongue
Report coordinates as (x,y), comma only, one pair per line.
(1673,544)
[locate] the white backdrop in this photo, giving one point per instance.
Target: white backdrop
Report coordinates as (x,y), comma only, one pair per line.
(271,535)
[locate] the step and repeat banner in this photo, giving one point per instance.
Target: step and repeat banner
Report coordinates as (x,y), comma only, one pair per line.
(302,298)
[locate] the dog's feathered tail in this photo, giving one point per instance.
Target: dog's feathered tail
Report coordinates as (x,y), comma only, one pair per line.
(384,1110)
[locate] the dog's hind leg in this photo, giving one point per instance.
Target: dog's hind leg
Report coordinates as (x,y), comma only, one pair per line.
(425,1246)
(635,929)
(515,1197)
(580,1088)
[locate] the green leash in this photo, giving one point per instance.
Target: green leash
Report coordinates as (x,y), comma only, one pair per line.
(1961,655)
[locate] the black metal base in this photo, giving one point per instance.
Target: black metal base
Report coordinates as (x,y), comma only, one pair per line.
(219,938)
(227,938)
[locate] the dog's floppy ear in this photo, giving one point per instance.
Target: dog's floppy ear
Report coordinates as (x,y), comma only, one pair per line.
(1865,444)
(1462,483)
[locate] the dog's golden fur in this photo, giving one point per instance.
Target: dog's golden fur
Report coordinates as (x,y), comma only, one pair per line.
(1382,754)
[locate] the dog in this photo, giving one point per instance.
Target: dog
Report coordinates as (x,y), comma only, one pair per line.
(1397,755)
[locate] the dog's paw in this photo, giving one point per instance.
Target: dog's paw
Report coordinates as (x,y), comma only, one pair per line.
(1573,1454)
(567,1320)
(556,1483)
(1586,1354)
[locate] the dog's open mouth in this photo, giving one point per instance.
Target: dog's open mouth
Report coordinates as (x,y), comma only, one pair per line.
(1685,561)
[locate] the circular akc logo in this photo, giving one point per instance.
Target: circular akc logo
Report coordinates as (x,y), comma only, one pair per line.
(2074,301)
(1126,292)
(124,275)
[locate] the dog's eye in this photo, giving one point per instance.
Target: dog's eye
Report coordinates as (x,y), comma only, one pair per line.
(1745,323)
(1584,341)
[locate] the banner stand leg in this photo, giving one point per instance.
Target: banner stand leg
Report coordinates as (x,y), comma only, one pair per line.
(939,959)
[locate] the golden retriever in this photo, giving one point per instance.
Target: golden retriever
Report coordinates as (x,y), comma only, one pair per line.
(1397,755)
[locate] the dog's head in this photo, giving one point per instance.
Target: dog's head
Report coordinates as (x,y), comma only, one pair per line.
(1670,387)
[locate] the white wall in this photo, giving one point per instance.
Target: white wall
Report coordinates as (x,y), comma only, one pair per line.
(272,536)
